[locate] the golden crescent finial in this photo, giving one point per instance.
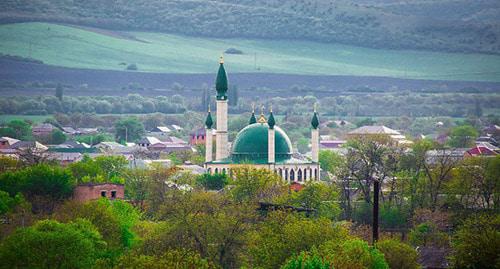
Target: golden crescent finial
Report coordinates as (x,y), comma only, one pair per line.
(271,108)
(262,110)
(208,108)
(221,59)
(315,107)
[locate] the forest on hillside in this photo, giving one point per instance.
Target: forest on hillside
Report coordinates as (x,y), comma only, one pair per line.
(459,26)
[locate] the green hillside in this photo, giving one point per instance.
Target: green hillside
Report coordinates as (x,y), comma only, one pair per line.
(437,25)
(155,52)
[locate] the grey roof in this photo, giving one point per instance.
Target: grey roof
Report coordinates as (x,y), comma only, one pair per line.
(375,129)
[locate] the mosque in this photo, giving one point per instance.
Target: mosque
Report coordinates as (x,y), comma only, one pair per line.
(252,145)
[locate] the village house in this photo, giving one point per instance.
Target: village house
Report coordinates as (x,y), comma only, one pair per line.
(44,129)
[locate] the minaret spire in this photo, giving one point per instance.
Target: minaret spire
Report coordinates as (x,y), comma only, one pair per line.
(252,118)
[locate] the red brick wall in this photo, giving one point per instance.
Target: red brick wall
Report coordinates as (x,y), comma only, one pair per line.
(84,193)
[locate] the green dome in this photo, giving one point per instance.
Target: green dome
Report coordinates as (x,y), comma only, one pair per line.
(251,144)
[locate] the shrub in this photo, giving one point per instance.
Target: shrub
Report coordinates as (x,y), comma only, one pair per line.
(476,243)
(307,261)
(398,255)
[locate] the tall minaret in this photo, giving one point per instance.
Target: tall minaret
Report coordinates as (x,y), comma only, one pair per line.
(221,150)
(315,136)
(208,137)
(270,137)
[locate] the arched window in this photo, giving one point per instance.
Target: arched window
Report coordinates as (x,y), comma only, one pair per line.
(224,171)
(280,172)
(305,174)
(292,175)
(315,174)
(286,174)
(216,170)
(299,175)
(209,170)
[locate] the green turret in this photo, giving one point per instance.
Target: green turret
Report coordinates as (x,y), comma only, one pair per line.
(221,81)
(209,122)
(315,119)
(252,118)
(270,121)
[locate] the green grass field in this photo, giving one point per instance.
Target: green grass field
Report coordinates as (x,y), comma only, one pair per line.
(157,52)
(33,118)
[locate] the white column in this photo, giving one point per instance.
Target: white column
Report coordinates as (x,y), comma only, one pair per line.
(208,144)
(315,145)
(221,151)
(270,146)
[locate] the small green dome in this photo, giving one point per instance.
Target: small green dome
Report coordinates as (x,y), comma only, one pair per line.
(251,144)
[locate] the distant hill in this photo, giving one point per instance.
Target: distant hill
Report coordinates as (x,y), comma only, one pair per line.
(93,48)
(444,25)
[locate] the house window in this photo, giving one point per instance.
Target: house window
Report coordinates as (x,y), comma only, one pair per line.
(103,193)
(113,194)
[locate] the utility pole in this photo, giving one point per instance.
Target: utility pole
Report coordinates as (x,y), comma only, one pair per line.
(126,135)
(376,191)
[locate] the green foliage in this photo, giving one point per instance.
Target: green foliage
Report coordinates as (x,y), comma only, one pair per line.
(18,129)
(176,258)
(282,234)
(100,169)
(320,196)
(393,216)
(57,137)
(330,161)
(353,253)
(206,222)
(463,136)
(94,139)
(59,92)
(39,180)
(476,243)
(256,185)
(129,129)
(50,244)
(212,182)
(113,219)
(398,255)
(427,234)
(306,261)
(365,122)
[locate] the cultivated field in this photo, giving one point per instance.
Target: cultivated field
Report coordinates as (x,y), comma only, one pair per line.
(154,52)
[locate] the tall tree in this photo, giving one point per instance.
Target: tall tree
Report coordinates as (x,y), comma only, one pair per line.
(59,92)
(50,244)
(128,129)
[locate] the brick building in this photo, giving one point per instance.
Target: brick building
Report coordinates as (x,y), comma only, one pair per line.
(93,191)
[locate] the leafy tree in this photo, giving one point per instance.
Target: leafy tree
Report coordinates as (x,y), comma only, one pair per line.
(475,183)
(175,258)
(319,196)
(94,139)
(330,161)
(398,255)
(476,243)
(306,260)
(128,129)
(365,122)
(353,253)
(463,136)
(256,185)
(99,169)
(22,129)
(59,92)
(282,234)
(303,145)
(50,244)
(57,137)
(212,182)
(113,219)
(39,180)
(205,222)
